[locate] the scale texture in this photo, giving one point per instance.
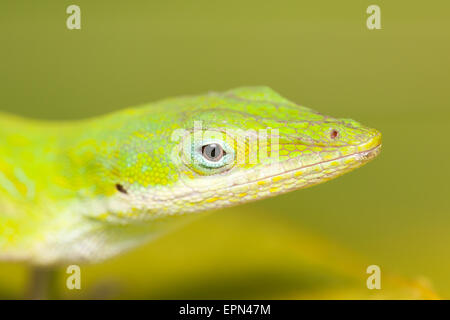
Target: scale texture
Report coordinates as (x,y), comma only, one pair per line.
(86,190)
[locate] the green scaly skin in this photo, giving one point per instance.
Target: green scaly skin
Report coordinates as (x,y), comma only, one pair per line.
(86,190)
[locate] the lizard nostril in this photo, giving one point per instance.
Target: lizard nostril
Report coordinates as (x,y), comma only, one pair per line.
(334,133)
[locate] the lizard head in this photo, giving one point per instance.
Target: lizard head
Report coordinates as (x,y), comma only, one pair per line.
(216,150)
(156,162)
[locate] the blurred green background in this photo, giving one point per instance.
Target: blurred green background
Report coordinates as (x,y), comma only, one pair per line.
(394,212)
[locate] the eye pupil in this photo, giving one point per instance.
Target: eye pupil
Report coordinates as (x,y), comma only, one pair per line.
(212,152)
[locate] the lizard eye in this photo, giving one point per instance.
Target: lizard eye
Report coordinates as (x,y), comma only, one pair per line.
(213,152)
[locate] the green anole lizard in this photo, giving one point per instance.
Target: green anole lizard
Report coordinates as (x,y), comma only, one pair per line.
(87,190)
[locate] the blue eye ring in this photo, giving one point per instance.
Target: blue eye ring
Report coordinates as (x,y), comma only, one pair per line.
(208,165)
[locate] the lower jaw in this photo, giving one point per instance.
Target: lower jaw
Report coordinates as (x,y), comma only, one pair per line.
(291,180)
(369,154)
(306,176)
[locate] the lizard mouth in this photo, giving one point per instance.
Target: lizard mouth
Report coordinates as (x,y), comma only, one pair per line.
(369,151)
(361,157)
(369,154)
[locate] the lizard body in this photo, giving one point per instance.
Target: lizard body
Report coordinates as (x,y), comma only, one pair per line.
(87,190)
